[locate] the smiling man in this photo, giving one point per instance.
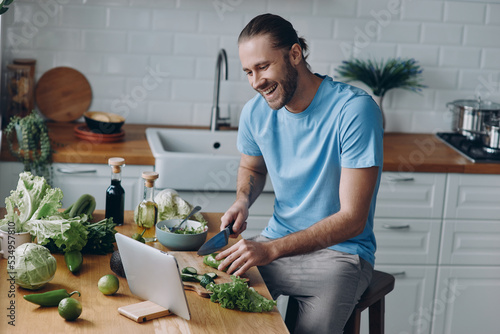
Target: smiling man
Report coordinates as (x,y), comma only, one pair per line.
(320,141)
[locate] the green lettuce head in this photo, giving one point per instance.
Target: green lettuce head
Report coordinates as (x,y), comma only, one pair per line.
(34,266)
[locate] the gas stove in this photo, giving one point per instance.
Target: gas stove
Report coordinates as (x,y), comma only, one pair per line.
(472,149)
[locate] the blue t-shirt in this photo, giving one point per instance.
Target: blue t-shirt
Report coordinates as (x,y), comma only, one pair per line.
(304,154)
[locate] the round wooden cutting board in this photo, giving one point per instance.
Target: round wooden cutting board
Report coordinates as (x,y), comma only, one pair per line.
(63,94)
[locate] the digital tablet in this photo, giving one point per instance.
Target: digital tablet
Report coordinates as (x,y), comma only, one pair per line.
(153,275)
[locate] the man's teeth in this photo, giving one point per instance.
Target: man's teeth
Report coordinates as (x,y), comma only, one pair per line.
(270,89)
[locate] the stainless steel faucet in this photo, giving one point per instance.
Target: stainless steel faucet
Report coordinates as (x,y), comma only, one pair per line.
(220,68)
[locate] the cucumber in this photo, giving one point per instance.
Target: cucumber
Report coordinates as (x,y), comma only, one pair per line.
(189,270)
(189,278)
(212,275)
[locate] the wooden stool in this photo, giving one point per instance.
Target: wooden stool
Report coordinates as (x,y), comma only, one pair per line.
(373,299)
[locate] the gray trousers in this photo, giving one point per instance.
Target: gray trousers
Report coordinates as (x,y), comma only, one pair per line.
(327,284)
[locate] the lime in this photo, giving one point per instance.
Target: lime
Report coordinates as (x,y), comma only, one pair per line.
(108,284)
(69,308)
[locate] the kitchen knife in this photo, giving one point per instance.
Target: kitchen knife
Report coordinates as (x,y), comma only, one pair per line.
(216,242)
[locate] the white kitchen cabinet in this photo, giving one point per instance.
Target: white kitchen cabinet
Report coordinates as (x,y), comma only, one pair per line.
(407,241)
(473,196)
(411,195)
(77,179)
(467,300)
(407,227)
(471,243)
(9,175)
(408,307)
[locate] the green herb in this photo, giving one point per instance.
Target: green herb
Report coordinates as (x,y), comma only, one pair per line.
(384,75)
(237,295)
(100,238)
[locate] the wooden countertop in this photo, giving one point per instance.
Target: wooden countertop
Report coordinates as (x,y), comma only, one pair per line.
(403,152)
(100,312)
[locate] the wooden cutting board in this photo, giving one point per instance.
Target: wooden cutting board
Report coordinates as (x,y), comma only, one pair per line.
(191,259)
(63,94)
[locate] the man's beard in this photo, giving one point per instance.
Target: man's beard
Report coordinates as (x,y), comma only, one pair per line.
(287,88)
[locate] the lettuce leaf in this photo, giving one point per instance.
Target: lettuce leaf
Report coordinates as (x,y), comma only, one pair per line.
(33,198)
(59,234)
(237,295)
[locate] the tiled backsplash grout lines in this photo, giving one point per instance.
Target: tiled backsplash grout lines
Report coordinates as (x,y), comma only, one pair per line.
(118,43)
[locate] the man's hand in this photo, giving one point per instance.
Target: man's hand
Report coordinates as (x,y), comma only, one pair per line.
(238,212)
(245,254)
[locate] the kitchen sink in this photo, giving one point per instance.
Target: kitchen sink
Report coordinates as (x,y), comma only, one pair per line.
(192,159)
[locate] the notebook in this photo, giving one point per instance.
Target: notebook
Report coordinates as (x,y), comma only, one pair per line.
(153,275)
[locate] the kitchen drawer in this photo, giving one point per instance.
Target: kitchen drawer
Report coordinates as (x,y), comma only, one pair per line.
(78,179)
(411,195)
(408,308)
(472,196)
(407,241)
(470,243)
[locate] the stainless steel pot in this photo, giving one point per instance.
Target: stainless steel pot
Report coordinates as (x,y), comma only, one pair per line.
(470,116)
(491,136)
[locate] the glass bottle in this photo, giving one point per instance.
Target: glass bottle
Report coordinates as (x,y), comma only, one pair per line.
(147,211)
(115,194)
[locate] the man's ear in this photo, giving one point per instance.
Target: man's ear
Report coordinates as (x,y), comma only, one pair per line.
(295,54)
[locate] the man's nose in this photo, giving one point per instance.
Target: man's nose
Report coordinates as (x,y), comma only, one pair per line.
(257,81)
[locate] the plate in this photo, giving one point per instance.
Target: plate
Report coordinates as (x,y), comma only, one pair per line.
(63,94)
(83,132)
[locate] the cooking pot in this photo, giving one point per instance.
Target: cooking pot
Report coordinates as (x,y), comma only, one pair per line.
(491,136)
(470,116)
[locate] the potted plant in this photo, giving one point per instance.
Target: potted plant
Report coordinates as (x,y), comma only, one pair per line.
(29,142)
(383,76)
(4,4)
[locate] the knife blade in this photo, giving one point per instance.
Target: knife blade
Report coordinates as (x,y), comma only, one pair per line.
(217,241)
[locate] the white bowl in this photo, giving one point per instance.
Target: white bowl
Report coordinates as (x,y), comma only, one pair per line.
(180,242)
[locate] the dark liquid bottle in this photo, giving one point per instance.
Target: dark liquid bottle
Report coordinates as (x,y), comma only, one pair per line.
(115,194)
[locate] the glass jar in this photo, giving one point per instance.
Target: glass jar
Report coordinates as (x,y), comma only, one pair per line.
(20,90)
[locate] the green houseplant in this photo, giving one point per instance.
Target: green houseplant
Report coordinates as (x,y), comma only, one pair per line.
(4,4)
(28,141)
(382,76)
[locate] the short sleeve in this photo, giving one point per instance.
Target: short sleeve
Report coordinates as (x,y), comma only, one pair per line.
(361,133)
(246,143)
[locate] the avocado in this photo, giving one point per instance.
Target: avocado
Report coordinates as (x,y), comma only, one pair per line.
(115,263)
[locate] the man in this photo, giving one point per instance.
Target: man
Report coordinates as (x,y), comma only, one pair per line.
(320,141)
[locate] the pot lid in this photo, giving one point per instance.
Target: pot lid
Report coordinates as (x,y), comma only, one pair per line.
(476,105)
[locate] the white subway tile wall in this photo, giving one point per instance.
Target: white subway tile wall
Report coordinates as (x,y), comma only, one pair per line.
(153,61)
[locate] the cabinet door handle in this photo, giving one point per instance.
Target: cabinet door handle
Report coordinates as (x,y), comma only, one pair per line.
(396,227)
(400,179)
(398,273)
(76,171)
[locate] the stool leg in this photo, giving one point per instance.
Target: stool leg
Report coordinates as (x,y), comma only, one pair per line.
(377,316)
(353,324)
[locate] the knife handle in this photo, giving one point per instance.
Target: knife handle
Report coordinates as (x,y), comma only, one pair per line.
(230,226)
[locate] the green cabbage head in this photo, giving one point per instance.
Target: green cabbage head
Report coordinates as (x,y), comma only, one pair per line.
(34,266)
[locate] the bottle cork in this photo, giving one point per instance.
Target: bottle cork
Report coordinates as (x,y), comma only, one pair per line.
(149,178)
(116,164)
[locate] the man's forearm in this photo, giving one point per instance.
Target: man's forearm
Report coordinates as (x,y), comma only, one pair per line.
(325,233)
(250,185)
